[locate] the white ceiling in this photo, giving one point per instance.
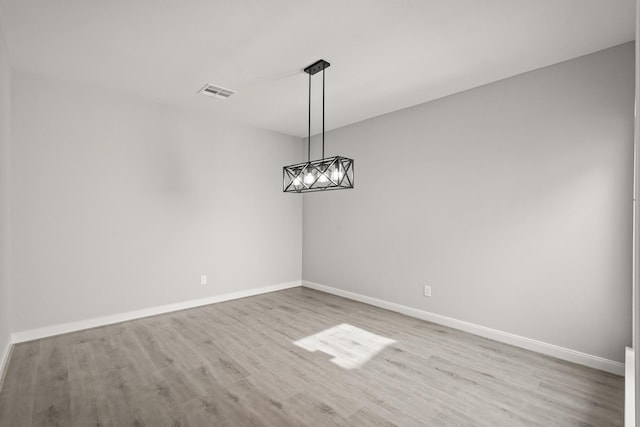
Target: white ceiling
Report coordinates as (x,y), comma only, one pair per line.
(385,54)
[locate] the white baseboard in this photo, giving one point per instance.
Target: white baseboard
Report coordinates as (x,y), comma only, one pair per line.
(630,388)
(63,328)
(494,334)
(592,361)
(4,360)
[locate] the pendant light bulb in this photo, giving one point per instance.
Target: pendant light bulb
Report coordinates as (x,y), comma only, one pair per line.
(309,178)
(323,177)
(337,173)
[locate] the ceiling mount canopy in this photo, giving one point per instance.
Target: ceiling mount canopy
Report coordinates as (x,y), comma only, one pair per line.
(327,173)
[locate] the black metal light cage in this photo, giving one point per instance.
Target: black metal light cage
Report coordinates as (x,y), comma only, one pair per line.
(328,173)
(331,173)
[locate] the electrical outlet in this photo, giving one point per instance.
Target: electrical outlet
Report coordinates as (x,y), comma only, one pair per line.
(427,291)
(203,279)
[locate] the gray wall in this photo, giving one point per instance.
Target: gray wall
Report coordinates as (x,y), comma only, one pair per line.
(5,144)
(512,200)
(121,204)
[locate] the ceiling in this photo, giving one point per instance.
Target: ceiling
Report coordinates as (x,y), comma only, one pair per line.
(385,54)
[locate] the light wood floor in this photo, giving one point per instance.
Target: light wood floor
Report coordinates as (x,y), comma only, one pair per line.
(235,364)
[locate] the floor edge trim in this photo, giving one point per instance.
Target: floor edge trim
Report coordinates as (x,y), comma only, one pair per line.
(563,353)
(64,328)
(4,360)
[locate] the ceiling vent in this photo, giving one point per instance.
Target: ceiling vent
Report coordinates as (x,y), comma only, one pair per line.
(216,91)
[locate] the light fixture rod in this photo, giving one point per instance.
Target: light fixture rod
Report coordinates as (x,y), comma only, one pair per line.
(323,113)
(316,67)
(309,125)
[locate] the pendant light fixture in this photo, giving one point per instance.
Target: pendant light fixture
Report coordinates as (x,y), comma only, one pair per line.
(327,173)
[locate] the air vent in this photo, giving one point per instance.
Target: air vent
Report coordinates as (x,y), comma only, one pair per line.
(217,91)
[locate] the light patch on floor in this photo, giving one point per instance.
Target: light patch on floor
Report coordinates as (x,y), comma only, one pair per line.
(351,347)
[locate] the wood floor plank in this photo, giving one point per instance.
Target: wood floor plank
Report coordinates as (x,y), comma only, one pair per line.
(18,389)
(366,417)
(307,410)
(52,404)
(220,407)
(87,399)
(239,363)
